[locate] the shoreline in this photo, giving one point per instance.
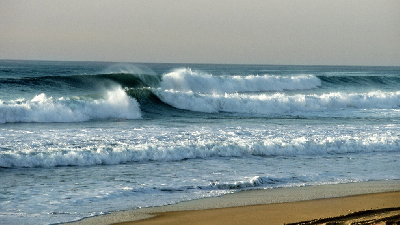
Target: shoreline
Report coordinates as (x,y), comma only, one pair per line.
(255,204)
(377,208)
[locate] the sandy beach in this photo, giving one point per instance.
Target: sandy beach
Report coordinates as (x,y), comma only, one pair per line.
(373,208)
(373,202)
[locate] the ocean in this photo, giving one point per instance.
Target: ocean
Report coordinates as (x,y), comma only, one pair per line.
(80,139)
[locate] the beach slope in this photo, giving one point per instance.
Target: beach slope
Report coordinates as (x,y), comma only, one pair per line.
(364,209)
(365,201)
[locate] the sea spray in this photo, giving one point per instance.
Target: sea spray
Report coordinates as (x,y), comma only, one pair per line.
(187,80)
(127,68)
(114,104)
(144,74)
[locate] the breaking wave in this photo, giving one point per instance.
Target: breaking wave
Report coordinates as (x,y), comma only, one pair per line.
(68,153)
(115,104)
(192,90)
(186,80)
(280,103)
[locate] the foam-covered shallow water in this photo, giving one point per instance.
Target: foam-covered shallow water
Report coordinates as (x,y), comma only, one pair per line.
(84,139)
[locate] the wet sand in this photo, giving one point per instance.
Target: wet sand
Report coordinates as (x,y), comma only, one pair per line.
(375,202)
(381,206)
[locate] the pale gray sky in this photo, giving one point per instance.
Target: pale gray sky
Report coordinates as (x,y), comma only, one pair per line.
(313,32)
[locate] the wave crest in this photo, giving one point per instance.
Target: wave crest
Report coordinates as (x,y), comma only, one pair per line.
(279,103)
(186,80)
(114,104)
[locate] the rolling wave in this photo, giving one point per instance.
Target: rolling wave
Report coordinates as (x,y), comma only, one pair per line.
(271,95)
(84,80)
(372,81)
(186,80)
(187,89)
(280,103)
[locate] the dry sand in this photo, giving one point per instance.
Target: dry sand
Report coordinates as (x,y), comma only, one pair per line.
(372,202)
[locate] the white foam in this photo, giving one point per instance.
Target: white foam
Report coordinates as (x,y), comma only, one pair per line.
(197,91)
(279,103)
(115,104)
(104,147)
(186,80)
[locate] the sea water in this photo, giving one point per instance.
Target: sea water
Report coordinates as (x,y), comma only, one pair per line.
(79,139)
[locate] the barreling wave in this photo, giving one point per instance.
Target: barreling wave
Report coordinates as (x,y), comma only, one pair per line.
(114,104)
(183,88)
(104,95)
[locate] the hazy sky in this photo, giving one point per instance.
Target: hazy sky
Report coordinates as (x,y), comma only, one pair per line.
(330,32)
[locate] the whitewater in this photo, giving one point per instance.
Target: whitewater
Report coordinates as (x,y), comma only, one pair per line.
(79,139)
